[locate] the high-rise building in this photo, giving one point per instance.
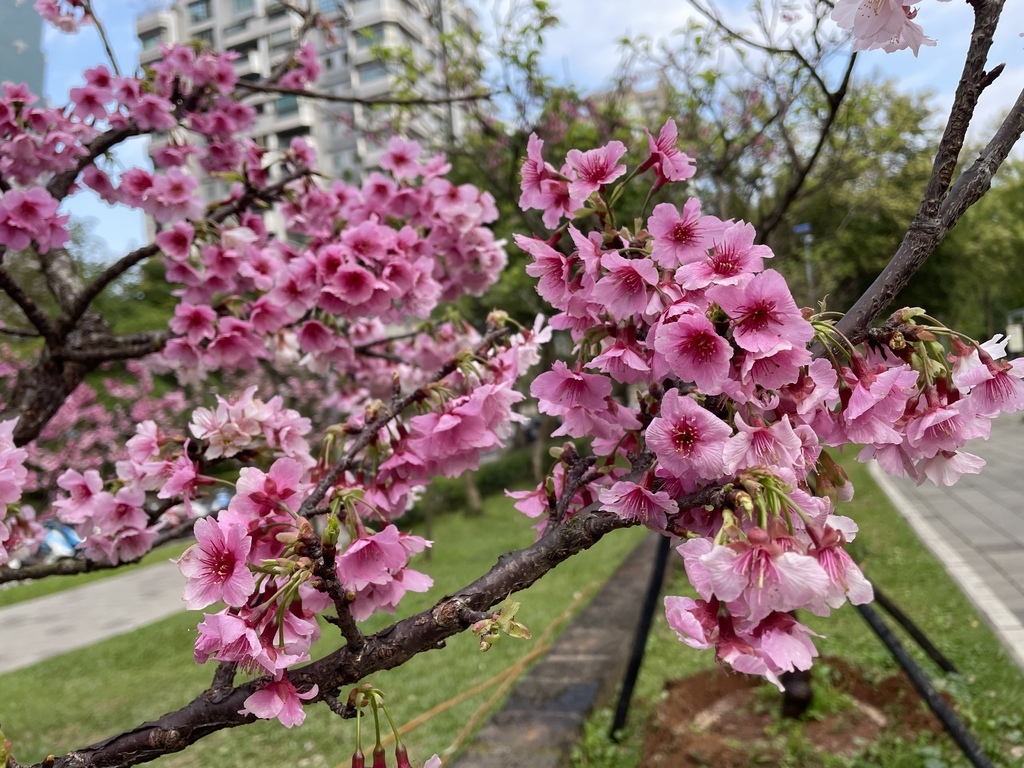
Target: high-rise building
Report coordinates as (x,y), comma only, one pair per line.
(21,40)
(263,31)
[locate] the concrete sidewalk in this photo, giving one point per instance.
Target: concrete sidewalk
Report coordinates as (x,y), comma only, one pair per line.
(976,528)
(64,621)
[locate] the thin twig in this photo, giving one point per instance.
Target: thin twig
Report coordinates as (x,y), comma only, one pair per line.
(370,431)
(87,5)
(369,102)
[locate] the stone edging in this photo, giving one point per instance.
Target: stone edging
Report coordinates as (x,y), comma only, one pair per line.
(544,715)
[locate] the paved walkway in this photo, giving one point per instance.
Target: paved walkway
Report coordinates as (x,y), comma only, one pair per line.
(976,528)
(64,621)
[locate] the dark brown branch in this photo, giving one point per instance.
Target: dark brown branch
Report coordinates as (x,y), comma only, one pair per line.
(324,561)
(768,224)
(116,348)
(31,310)
(87,4)
(369,102)
(61,183)
(940,211)
(215,710)
(24,332)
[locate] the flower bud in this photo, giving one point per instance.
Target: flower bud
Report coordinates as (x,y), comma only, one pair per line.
(380,758)
(358,760)
(402,756)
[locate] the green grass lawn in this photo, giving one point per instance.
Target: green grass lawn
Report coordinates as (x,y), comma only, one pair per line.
(84,696)
(17,592)
(989,692)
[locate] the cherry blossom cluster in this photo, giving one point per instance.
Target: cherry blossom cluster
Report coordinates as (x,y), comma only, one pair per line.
(378,254)
(719,438)
(12,483)
(885,24)
(261,558)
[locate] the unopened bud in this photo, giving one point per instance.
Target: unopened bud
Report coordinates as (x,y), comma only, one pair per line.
(402,757)
(742,500)
(380,758)
(358,760)
(331,534)
(497,318)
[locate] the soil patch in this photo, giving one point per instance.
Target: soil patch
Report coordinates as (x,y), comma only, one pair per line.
(717,718)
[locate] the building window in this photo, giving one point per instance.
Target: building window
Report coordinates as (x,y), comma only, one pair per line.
(199,11)
(284,138)
(287,105)
(281,37)
(276,12)
(369,36)
(151,40)
(372,72)
(205,36)
(234,29)
(242,49)
(245,6)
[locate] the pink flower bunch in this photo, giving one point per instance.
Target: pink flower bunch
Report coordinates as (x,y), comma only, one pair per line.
(12,480)
(729,402)
(885,24)
(375,568)
(28,216)
(63,14)
(402,246)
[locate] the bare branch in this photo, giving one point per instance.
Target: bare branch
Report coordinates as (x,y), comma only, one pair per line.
(87,5)
(942,206)
(369,102)
(927,232)
(40,321)
(116,348)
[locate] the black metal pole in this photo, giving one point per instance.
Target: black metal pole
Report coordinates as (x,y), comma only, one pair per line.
(963,738)
(914,631)
(643,629)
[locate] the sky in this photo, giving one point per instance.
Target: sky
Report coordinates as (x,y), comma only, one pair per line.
(583,49)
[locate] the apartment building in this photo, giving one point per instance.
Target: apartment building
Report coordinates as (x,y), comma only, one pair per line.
(263,31)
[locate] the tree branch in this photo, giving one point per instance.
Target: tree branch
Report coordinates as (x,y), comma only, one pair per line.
(217,709)
(941,208)
(40,321)
(369,102)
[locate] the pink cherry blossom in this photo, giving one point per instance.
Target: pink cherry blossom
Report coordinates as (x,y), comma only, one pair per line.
(594,168)
(215,565)
(279,699)
(695,352)
(668,161)
(688,440)
(635,502)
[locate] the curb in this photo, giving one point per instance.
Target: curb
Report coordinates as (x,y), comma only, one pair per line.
(1001,619)
(543,718)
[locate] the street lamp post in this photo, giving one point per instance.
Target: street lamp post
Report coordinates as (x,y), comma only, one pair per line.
(808,240)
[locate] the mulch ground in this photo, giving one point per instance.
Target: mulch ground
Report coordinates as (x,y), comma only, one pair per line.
(717,718)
